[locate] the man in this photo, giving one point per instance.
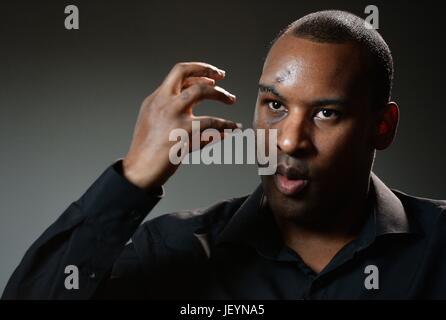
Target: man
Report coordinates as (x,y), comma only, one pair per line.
(323,227)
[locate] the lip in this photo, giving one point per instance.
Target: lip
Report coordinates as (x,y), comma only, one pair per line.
(288,186)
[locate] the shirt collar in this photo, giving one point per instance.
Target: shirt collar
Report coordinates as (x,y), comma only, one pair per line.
(254,225)
(390,216)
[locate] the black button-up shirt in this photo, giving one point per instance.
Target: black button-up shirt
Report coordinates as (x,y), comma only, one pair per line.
(232,249)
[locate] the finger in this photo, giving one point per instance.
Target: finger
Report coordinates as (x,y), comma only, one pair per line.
(222,135)
(219,124)
(197,80)
(212,140)
(197,92)
(183,70)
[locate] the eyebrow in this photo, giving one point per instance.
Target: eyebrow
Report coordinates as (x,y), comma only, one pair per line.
(271,89)
(330,102)
(317,103)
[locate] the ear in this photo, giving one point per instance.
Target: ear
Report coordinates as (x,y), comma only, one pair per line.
(386,126)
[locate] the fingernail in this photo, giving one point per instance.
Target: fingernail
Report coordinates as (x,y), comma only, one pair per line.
(222,72)
(239,125)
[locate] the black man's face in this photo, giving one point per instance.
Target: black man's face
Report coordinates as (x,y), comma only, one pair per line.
(316,95)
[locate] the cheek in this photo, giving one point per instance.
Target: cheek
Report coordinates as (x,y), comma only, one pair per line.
(257,119)
(261,118)
(264,118)
(263,122)
(340,146)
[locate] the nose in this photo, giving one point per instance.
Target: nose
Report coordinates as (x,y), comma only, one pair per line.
(294,135)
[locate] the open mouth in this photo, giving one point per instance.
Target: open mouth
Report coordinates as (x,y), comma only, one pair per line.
(289,186)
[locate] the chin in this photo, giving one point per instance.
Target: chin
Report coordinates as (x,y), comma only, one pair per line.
(297,208)
(298,211)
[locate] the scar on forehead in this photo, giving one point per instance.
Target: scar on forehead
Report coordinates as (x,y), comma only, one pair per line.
(283,76)
(287,74)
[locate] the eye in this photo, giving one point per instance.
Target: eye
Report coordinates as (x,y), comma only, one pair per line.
(327,114)
(275,105)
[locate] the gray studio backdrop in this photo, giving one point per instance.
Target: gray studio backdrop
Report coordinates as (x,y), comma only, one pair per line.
(69,99)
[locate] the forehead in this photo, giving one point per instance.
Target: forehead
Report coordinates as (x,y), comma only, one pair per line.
(296,65)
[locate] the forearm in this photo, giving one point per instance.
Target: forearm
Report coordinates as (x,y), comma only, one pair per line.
(90,235)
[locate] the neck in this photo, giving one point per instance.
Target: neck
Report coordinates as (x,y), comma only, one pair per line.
(318,243)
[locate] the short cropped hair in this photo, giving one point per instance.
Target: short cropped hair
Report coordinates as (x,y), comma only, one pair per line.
(334,26)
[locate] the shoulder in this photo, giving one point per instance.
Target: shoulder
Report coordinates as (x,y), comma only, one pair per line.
(178,230)
(428,214)
(428,206)
(199,220)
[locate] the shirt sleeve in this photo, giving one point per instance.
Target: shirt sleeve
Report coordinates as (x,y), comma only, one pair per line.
(84,242)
